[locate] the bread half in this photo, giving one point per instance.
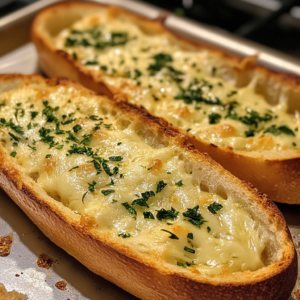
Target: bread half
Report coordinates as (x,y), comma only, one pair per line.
(208,95)
(126,195)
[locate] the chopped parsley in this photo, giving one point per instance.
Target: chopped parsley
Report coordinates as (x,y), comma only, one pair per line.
(208,229)
(48,112)
(124,235)
(160,186)
(84,196)
(214,207)
(16,138)
(179,183)
(160,61)
(172,235)
(107,192)
(13,154)
(214,118)
(77,128)
(115,158)
(194,217)
(249,133)
(281,129)
(129,208)
(92,186)
(187,249)
(167,214)
(48,155)
(148,215)
(74,168)
(190,235)
(143,201)
(183,265)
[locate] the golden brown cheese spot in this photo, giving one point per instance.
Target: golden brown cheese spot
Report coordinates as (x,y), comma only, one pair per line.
(61,285)
(182,112)
(206,199)
(100,135)
(94,20)
(49,164)
(264,142)
(86,168)
(179,229)
(82,122)
(225,270)
(224,130)
(155,165)
(193,270)
(42,93)
(174,200)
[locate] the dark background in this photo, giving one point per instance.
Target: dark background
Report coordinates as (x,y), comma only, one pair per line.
(274,23)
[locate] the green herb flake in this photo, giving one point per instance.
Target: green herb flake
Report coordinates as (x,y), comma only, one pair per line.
(194,216)
(77,128)
(208,229)
(13,154)
(107,192)
(214,207)
(107,125)
(183,265)
(148,215)
(160,186)
(179,183)
(129,208)
(190,235)
(231,93)
(143,200)
(214,118)
(172,235)
(48,155)
(16,138)
(187,249)
(124,235)
(74,168)
(249,133)
(92,186)
(167,214)
(83,197)
(115,158)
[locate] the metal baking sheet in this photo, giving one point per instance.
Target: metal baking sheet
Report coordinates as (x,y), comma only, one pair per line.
(19,270)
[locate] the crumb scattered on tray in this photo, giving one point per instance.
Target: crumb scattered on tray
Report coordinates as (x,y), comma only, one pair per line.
(44,261)
(5,245)
(297,294)
(61,285)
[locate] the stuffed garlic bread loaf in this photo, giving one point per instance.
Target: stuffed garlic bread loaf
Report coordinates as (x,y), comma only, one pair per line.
(127,196)
(244,116)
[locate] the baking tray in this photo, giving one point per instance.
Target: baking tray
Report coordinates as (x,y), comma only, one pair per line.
(19,270)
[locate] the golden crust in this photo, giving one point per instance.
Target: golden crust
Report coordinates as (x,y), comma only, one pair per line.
(142,276)
(255,167)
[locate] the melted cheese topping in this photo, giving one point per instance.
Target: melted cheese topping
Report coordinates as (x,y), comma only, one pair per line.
(92,160)
(184,87)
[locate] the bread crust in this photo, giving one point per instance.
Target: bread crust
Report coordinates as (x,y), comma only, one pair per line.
(145,277)
(255,167)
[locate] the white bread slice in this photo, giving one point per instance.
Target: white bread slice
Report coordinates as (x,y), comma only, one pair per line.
(275,171)
(142,264)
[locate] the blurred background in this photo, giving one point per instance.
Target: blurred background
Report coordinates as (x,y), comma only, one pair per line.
(273,23)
